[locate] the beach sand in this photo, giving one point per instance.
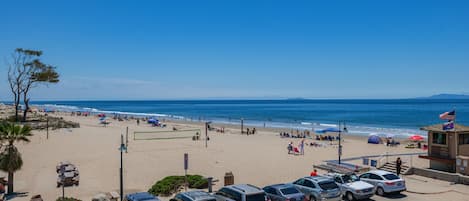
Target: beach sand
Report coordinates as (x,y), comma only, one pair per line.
(259,159)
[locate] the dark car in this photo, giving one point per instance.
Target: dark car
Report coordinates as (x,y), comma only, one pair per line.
(283,192)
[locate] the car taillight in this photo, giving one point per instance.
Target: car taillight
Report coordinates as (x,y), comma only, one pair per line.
(389,183)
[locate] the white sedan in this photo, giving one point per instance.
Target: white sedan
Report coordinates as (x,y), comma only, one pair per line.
(385,182)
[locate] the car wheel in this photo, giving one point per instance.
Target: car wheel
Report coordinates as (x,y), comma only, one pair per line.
(380,191)
(349,196)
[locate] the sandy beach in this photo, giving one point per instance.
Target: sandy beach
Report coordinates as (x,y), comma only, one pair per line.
(259,159)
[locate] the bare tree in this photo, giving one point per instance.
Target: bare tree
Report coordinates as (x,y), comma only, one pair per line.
(25,70)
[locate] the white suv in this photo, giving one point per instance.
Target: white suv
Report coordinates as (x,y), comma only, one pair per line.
(384,181)
(351,186)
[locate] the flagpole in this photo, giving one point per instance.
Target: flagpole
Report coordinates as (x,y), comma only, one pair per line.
(456,135)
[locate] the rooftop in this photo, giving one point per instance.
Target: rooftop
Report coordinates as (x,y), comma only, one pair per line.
(439,128)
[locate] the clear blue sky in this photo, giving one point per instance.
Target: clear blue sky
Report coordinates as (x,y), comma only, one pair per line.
(242,49)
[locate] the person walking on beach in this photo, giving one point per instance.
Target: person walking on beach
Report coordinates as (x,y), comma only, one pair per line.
(290,147)
(398,166)
(138,122)
(302,147)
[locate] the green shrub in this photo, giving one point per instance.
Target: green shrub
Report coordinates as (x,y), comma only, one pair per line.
(171,184)
(67,199)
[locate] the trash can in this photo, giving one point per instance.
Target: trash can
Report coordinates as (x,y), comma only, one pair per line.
(229,179)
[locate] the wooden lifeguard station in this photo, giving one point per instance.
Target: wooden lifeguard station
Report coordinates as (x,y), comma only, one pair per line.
(448,150)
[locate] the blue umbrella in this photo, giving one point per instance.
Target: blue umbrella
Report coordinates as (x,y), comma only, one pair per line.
(152,121)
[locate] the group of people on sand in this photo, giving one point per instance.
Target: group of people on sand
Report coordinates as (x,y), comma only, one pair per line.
(298,135)
(299,150)
(250,131)
(327,138)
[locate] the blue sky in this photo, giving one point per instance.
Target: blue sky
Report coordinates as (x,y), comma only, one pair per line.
(242,49)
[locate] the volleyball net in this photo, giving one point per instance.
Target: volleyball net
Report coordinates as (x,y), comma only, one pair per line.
(166,135)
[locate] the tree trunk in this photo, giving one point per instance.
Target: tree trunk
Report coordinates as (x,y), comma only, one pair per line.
(17,105)
(10,183)
(26,107)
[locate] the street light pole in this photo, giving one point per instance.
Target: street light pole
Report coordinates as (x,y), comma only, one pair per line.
(340,144)
(122,148)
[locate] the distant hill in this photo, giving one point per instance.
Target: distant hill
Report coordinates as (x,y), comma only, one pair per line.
(447,96)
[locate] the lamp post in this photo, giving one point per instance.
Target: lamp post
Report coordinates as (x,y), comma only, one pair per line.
(122,148)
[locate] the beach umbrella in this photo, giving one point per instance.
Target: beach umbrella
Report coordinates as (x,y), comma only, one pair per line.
(152,121)
(416,138)
(374,139)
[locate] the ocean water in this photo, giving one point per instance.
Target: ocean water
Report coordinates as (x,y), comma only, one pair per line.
(362,117)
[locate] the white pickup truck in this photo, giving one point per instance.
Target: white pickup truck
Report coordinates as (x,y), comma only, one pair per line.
(351,186)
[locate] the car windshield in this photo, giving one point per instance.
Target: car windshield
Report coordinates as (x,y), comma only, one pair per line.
(289,191)
(391,176)
(256,197)
(328,185)
(350,178)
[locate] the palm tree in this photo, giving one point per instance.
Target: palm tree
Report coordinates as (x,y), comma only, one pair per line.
(10,158)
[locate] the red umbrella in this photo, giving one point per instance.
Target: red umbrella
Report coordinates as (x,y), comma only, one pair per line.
(416,138)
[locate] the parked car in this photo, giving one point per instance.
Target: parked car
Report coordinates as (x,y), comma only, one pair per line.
(240,192)
(68,179)
(194,196)
(318,188)
(143,196)
(384,181)
(283,192)
(351,186)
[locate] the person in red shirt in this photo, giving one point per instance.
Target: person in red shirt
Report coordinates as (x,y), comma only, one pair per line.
(314,173)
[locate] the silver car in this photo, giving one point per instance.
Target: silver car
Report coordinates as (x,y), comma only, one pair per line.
(318,188)
(283,192)
(384,181)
